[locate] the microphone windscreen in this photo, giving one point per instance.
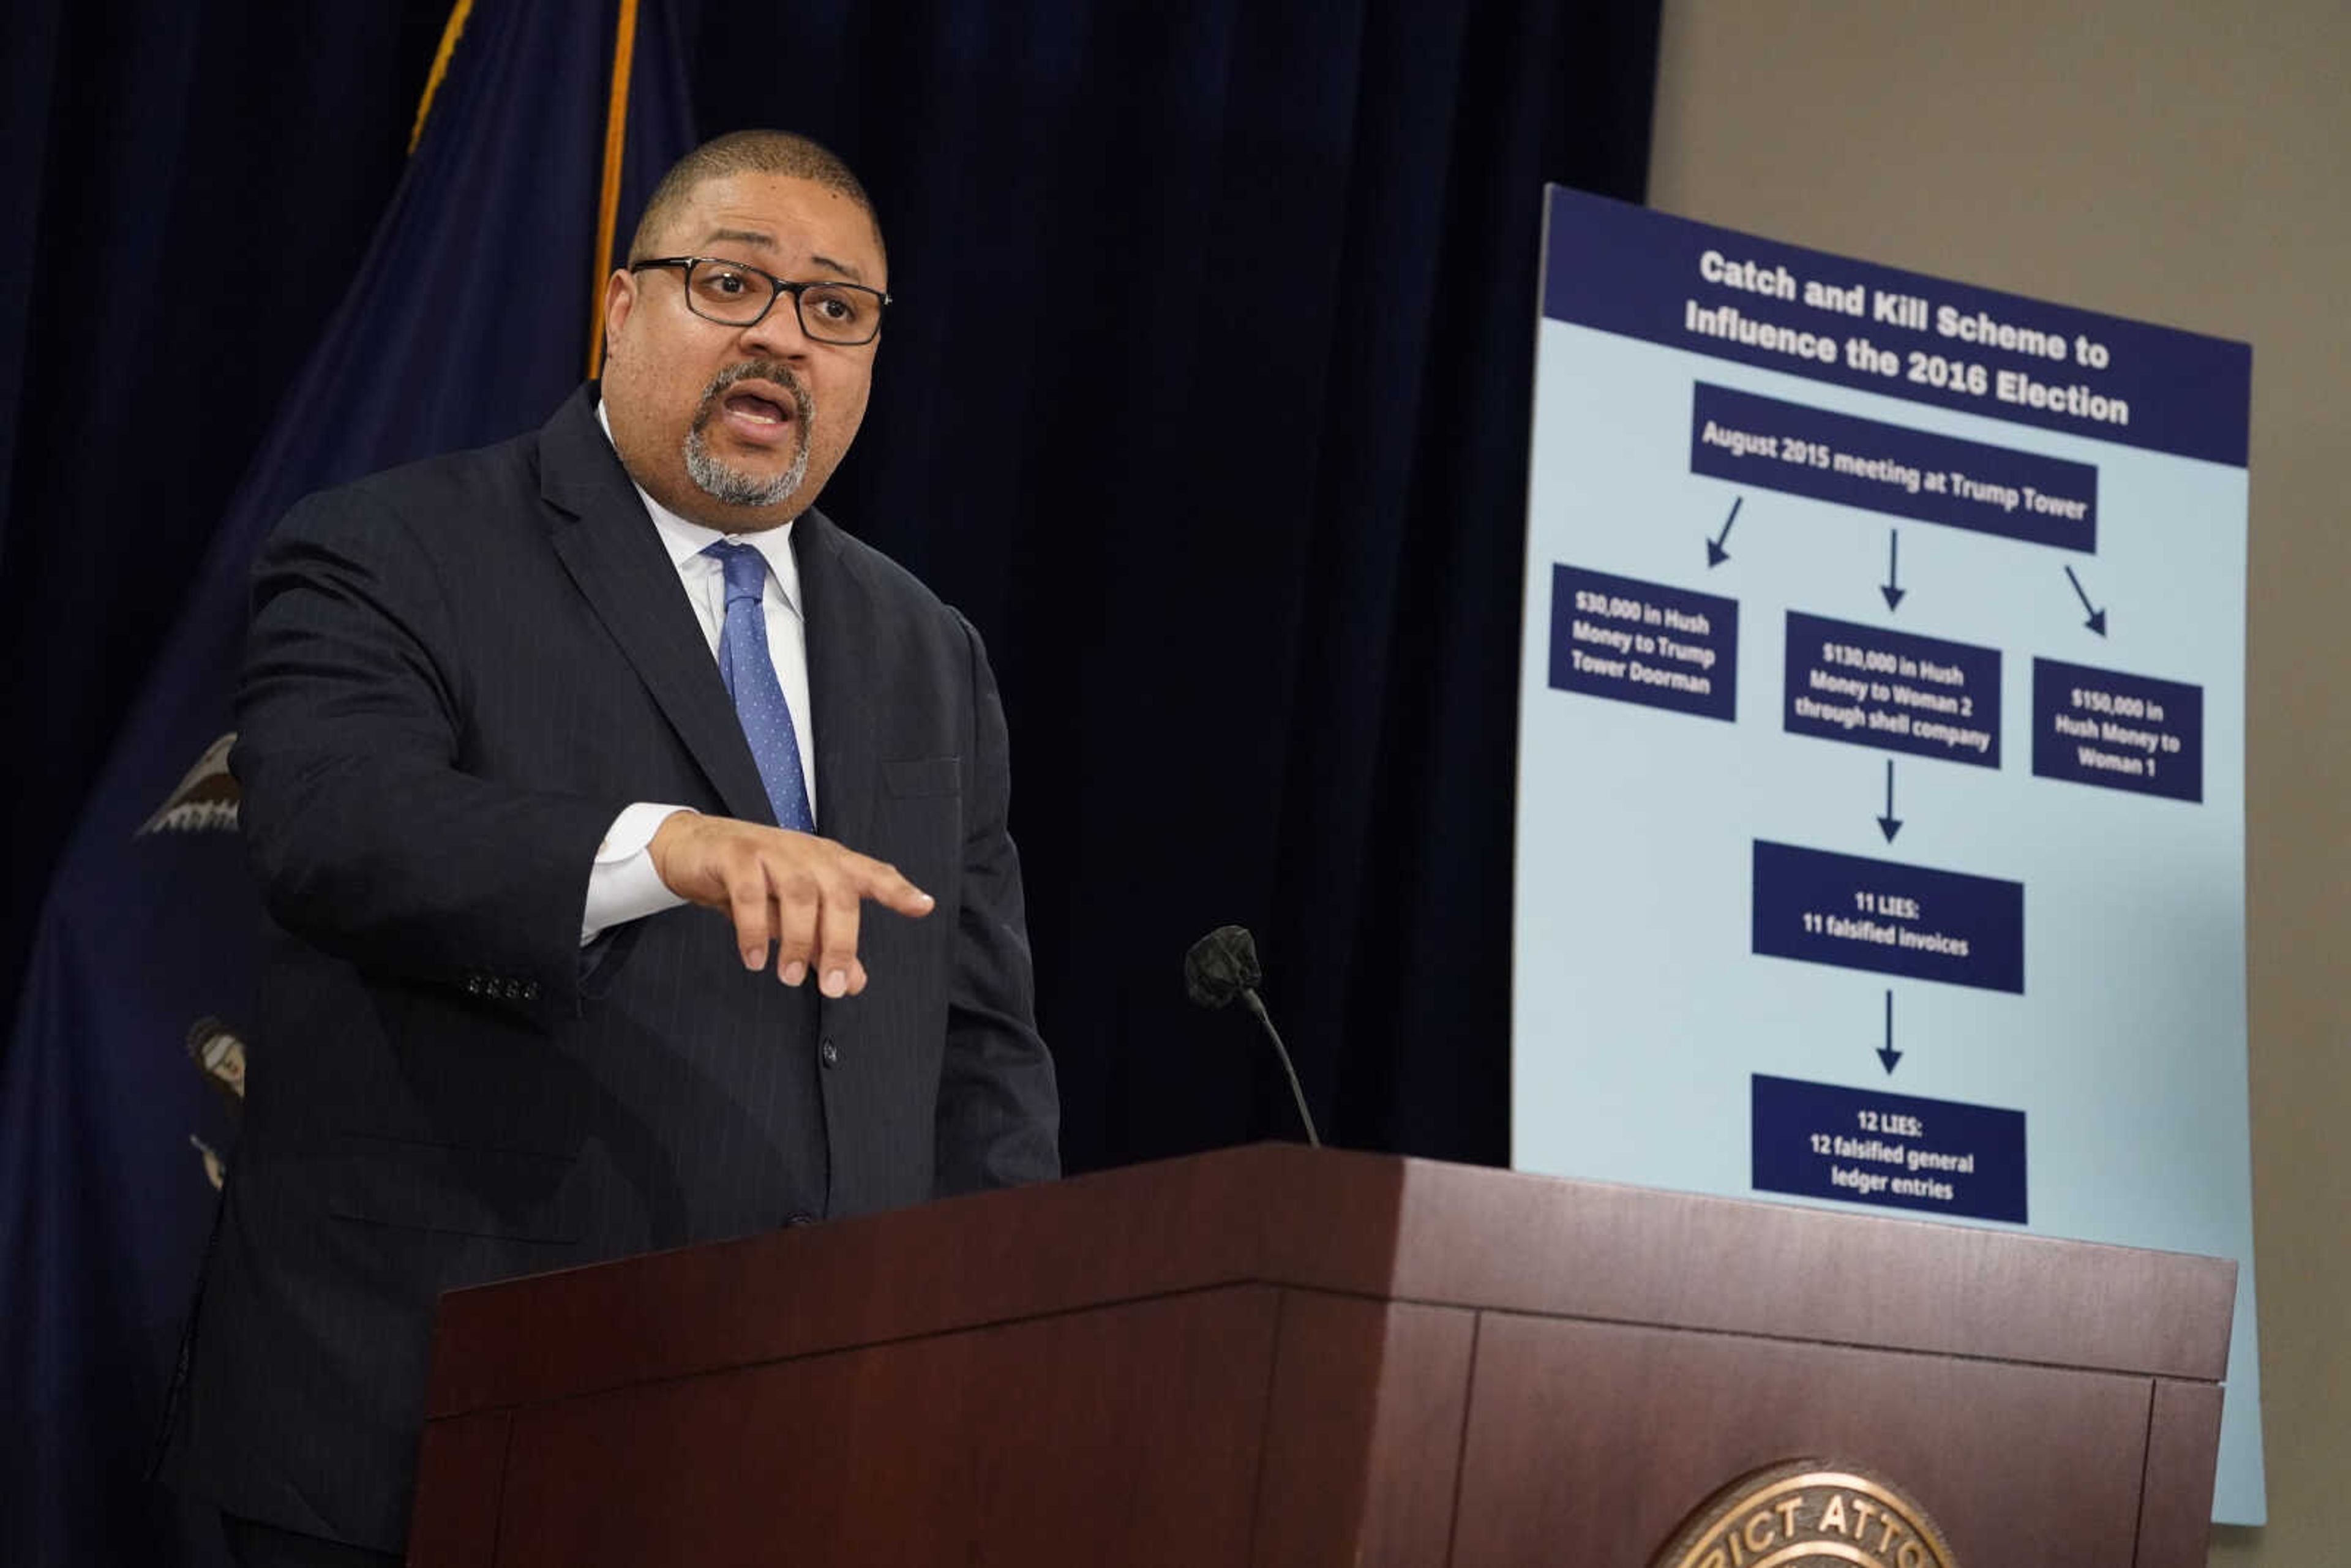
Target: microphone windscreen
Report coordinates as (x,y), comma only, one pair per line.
(1219,965)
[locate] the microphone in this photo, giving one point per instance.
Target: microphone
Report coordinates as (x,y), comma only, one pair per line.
(1223,965)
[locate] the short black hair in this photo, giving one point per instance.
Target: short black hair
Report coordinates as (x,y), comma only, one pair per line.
(783,153)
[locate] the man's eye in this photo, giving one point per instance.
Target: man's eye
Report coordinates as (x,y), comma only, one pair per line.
(834,307)
(721,283)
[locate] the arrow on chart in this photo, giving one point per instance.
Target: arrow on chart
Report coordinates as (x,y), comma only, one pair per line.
(1893,548)
(1891,824)
(2097,620)
(1714,554)
(1889,1055)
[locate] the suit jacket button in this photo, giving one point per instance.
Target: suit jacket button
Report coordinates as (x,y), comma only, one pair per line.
(829,1053)
(473,984)
(531,990)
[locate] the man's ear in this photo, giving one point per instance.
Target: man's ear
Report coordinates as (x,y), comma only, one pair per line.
(620,299)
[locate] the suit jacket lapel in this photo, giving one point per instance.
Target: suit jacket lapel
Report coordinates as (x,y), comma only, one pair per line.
(608,544)
(842,642)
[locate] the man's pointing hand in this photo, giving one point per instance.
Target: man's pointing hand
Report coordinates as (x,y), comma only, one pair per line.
(800,893)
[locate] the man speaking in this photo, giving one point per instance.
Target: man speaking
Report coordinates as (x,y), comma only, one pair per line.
(638,840)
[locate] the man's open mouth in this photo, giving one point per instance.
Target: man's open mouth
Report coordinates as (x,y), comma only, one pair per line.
(757,407)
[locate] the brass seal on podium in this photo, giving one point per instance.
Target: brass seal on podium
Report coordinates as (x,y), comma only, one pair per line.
(1808,1513)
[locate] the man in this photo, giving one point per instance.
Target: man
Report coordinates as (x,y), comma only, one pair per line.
(516,730)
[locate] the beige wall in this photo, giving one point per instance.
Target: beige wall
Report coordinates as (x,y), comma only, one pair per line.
(2182,162)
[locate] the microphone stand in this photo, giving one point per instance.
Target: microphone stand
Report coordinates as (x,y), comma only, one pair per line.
(1257,1005)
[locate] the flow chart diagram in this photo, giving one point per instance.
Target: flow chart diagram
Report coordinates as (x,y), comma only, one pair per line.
(1881,807)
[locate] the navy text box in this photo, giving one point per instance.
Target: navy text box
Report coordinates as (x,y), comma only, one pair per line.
(1643,642)
(1865,1146)
(1891,470)
(2117,731)
(1888,917)
(1891,690)
(1738,297)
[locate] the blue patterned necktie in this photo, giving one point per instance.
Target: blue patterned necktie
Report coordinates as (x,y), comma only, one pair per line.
(750,677)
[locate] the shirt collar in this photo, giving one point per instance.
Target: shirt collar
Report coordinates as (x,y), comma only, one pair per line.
(686,540)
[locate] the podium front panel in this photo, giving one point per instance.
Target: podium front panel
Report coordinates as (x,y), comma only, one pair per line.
(1129,1434)
(1588,1443)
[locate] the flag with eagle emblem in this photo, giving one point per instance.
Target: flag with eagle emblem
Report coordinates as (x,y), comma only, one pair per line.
(544,128)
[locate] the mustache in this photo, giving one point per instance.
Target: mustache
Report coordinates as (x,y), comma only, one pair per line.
(775,370)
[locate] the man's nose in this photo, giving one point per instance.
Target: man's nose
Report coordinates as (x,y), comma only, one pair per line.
(778,334)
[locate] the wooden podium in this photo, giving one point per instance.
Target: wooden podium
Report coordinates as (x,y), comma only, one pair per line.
(1279,1356)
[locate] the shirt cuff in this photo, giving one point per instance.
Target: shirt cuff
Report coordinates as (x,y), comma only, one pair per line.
(622,884)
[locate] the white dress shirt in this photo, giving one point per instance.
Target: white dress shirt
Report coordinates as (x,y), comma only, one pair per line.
(622,884)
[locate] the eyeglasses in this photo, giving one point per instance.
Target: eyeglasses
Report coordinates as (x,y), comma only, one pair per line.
(740,296)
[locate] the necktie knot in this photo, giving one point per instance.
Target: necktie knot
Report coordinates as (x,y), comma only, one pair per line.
(746,568)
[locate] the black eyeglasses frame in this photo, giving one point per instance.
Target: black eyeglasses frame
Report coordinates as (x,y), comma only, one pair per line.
(778,287)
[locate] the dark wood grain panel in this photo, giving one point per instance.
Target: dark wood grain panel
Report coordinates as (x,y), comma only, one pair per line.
(1318,1434)
(462,1465)
(1416,1437)
(1363,1432)
(1589,1443)
(1637,1255)
(2183,1431)
(1350,1223)
(1129,1434)
(1238,1216)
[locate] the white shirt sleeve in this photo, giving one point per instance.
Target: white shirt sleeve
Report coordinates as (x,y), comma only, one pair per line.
(622,884)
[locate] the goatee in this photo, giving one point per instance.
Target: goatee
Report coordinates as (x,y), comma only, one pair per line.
(732,486)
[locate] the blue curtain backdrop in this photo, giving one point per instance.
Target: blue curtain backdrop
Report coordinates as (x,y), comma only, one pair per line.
(1207,399)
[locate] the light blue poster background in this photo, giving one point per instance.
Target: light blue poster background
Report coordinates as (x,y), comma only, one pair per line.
(1640,1011)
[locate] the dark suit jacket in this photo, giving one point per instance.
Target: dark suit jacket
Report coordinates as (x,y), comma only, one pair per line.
(459,672)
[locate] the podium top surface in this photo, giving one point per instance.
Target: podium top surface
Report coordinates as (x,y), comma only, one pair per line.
(1376,1226)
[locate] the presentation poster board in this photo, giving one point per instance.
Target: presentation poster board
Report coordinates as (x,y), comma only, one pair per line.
(1881,784)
